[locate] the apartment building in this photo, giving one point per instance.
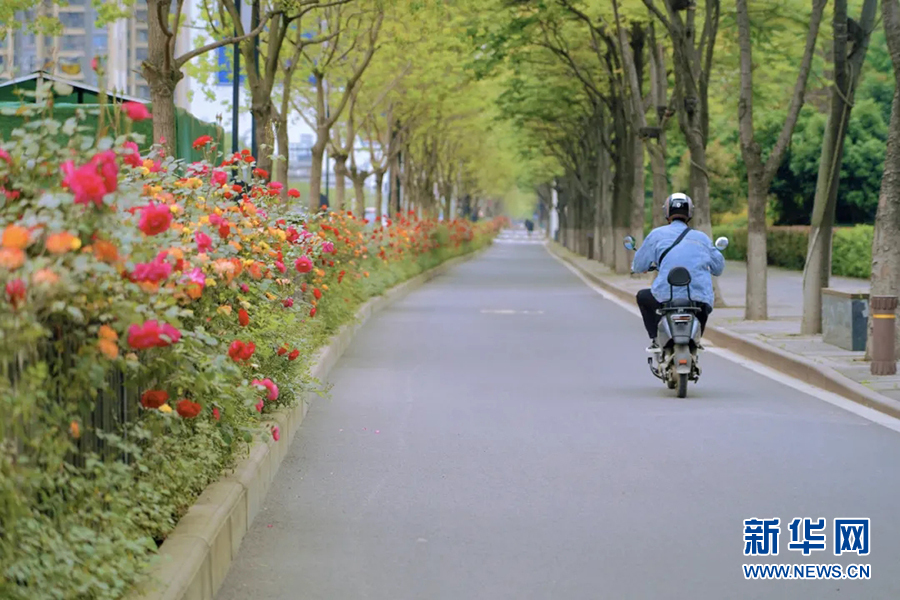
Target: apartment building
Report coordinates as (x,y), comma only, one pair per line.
(122,43)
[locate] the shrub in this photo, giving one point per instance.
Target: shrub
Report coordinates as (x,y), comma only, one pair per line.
(152,314)
(787,247)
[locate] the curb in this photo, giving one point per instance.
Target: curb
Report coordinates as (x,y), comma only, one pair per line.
(779,360)
(194,559)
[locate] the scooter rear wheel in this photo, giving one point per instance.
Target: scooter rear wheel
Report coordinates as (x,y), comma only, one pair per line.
(671,383)
(682,385)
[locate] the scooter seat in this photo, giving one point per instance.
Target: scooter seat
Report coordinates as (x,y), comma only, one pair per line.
(678,303)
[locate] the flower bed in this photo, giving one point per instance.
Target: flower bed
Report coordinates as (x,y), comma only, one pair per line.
(151,312)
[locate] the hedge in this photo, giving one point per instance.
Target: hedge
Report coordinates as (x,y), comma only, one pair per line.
(787,246)
(152,315)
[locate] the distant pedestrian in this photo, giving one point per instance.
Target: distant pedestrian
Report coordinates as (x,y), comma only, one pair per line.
(529,225)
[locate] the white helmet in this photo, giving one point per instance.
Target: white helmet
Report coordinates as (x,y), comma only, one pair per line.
(679,204)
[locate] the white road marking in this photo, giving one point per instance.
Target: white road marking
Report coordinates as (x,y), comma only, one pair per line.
(857,409)
(507,311)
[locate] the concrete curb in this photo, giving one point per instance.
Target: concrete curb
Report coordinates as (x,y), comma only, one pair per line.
(195,557)
(784,362)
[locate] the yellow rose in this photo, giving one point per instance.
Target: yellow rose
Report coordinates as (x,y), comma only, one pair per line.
(165,408)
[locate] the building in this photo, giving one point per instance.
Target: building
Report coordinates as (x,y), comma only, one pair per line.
(123,45)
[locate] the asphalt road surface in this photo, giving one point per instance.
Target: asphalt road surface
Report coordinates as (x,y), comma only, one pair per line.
(497,435)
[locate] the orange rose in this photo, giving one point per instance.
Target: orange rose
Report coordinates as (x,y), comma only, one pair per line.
(106,251)
(107,333)
(11,258)
(44,276)
(15,236)
(108,348)
(60,243)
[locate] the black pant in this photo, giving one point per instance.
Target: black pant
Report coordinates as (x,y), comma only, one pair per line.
(649,305)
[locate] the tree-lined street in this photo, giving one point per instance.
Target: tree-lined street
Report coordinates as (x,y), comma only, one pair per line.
(496,434)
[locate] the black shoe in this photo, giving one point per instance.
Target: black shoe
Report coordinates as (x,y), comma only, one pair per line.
(653,348)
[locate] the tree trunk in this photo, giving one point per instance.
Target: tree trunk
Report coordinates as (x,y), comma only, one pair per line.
(379,196)
(638,195)
(886,243)
(162,76)
(817,270)
(605,197)
(315,174)
(760,174)
(284,155)
(265,133)
(394,200)
(359,192)
(340,182)
(623,190)
(660,183)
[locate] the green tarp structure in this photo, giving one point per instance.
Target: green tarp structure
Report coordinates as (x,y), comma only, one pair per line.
(84,97)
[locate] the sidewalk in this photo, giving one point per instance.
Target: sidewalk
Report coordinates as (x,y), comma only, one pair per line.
(780,334)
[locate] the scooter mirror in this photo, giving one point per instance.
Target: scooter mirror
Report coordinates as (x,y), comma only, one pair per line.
(629,242)
(722,243)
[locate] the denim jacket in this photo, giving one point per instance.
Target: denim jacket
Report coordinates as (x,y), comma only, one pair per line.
(695,252)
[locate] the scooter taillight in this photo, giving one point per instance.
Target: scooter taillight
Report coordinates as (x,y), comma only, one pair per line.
(682,318)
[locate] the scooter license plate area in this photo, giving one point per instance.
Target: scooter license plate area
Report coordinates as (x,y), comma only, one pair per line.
(681,326)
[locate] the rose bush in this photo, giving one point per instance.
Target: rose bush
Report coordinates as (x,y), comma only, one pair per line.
(150,321)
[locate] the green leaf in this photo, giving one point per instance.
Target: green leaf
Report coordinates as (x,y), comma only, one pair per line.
(76,313)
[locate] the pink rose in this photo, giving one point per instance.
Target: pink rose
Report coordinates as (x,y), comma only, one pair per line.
(219,177)
(154,271)
(136,111)
(204,242)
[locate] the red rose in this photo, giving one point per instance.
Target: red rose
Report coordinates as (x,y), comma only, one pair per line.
(292,235)
(216,414)
(154,398)
(294,193)
(261,173)
(317,293)
(15,292)
(202,141)
(188,409)
(243,318)
(136,111)
(294,354)
(303,264)
(155,219)
(239,351)
(224,230)
(149,335)
(288,302)
(312,311)
(132,155)
(282,351)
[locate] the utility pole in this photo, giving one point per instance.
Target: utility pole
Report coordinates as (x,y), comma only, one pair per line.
(254,23)
(236,91)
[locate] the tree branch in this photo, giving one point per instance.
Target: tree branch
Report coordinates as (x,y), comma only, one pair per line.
(180,61)
(784,138)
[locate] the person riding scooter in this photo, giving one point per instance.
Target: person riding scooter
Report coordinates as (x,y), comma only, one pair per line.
(677,245)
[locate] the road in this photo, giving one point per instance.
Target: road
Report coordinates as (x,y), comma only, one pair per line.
(497,435)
